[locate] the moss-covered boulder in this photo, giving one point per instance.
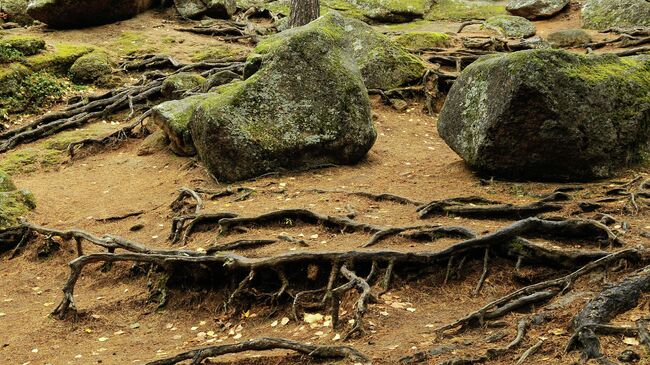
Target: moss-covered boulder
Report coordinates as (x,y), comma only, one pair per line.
(603,14)
(14,203)
(82,13)
(464,10)
(536,9)
(511,26)
(423,40)
(383,63)
(173,117)
(16,11)
(306,106)
(568,38)
(91,68)
(195,9)
(550,115)
(175,85)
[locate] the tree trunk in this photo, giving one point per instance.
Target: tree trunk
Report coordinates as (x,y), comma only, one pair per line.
(303,12)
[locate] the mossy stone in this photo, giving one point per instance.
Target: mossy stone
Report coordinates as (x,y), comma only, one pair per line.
(423,40)
(220,78)
(394,11)
(175,85)
(568,38)
(536,9)
(90,68)
(383,63)
(306,106)
(464,10)
(550,115)
(511,26)
(173,118)
(604,14)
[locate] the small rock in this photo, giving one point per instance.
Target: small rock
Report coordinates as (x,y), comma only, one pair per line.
(568,38)
(534,9)
(628,356)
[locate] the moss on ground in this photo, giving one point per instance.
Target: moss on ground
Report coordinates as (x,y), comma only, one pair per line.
(129,43)
(48,153)
(213,52)
(33,91)
(59,60)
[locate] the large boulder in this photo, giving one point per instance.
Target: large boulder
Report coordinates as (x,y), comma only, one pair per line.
(306,106)
(382,62)
(550,115)
(535,9)
(82,13)
(511,26)
(195,9)
(603,14)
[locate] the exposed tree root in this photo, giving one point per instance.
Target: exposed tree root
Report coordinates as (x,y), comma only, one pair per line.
(537,292)
(264,344)
(183,226)
(614,299)
(134,130)
(500,241)
(103,105)
(480,208)
(372,196)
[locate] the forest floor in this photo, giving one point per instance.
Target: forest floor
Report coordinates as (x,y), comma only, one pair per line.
(117,325)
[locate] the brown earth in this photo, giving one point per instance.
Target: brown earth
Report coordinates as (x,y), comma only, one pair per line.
(116,325)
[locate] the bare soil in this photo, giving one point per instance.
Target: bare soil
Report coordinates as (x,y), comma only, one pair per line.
(117,325)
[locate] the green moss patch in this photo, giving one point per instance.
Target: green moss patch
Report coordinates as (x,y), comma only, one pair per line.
(14,203)
(49,153)
(59,60)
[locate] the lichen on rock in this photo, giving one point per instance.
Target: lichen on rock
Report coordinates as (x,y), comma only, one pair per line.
(603,14)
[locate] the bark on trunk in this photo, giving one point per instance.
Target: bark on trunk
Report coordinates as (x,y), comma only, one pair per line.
(303,12)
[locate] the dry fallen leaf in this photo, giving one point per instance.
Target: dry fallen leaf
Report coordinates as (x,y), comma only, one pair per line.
(631,341)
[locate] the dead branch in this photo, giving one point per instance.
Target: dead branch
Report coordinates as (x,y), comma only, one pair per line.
(265,344)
